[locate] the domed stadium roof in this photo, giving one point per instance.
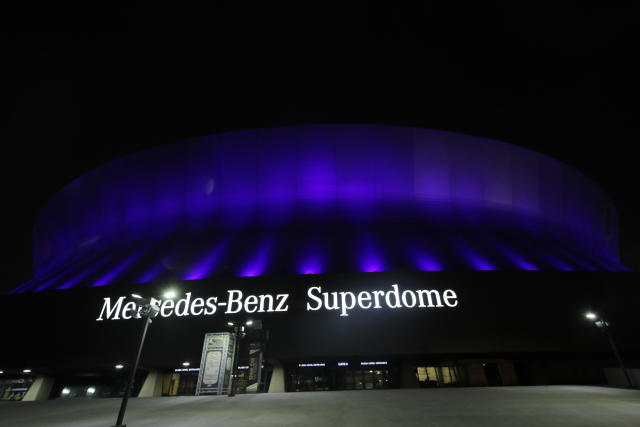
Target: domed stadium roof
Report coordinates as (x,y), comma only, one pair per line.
(322,199)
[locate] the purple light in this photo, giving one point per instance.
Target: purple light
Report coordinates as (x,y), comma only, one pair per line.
(370,258)
(556,262)
(474,260)
(578,260)
(258,264)
(152,273)
(425,262)
(208,263)
(477,262)
(86,273)
(291,179)
(520,262)
(311,265)
(560,265)
(114,273)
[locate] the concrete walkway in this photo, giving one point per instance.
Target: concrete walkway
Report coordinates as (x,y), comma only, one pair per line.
(504,406)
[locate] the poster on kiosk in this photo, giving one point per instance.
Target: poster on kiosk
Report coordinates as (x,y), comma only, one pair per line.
(216,363)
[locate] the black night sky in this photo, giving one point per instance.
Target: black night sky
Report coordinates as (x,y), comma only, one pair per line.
(83,87)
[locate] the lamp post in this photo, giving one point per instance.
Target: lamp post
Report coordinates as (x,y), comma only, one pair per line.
(604,326)
(147,310)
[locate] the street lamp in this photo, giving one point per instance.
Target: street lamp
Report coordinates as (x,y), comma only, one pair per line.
(148,308)
(604,325)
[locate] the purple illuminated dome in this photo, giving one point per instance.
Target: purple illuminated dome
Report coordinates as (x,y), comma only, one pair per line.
(320,199)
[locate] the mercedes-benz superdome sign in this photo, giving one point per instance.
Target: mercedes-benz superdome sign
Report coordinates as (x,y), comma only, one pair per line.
(235,301)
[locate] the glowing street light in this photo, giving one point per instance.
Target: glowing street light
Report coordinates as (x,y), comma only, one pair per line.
(169,294)
(119,366)
(26,371)
(186,363)
(604,325)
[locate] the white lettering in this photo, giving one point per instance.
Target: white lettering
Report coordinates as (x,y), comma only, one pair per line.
(109,311)
(393,293)
(282,298)
(364,297)
(264,298)
(376,295)
(197,304)
(231,301)
(250,304)
(167,304)
(450,294)
(404,299)
(429,293)
(343,302)
(326,301)
(211,306)
(130,306)
(314,298)
(183,310)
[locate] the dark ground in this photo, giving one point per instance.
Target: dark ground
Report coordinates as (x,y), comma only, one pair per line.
(505,406)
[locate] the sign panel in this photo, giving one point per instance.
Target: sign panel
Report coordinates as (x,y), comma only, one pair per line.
(216,363)
(235,302)
(254,373)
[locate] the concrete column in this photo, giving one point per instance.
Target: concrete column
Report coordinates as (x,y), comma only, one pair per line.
(152,386)
(475,373)
(39,390)
(277,378)
(508,373)
(408,376)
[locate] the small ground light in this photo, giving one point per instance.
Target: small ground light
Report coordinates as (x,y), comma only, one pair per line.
(186,363)
(590,316)
(26,371)
(249,322)
(91,390)
(119,366)
(66,391)
(1,372)
(169,294)
(230,323)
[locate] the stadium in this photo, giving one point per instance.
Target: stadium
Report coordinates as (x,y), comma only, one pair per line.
(372,257)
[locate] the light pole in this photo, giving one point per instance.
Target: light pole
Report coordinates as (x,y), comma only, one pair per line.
(147,310)
(604,326)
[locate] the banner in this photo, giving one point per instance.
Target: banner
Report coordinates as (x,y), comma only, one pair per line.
(216,363)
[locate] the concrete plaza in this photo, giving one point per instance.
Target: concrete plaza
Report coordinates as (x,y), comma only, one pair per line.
(489,406)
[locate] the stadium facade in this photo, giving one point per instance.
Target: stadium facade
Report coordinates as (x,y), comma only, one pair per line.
(374,257)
